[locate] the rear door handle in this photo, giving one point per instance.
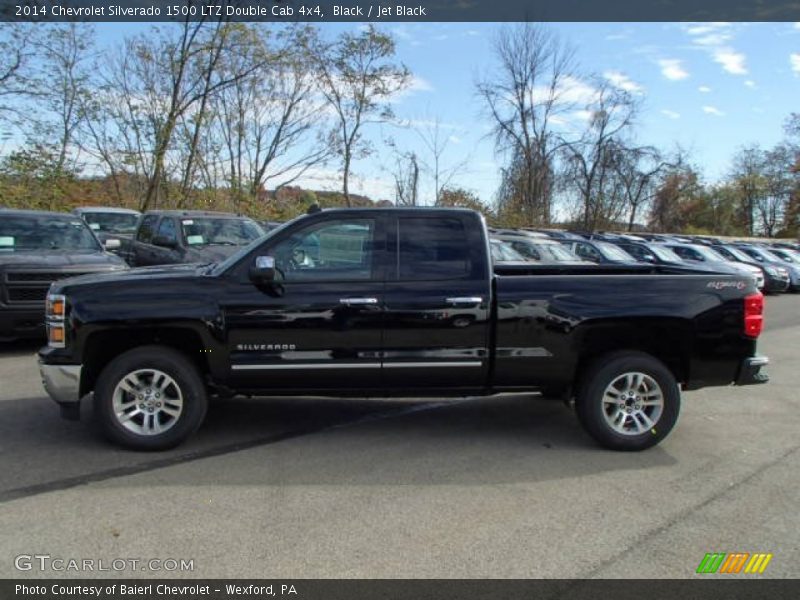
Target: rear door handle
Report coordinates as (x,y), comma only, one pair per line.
(358,301)
(465,300)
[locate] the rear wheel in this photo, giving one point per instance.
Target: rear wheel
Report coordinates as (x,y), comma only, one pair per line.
(150,398)
(628,401)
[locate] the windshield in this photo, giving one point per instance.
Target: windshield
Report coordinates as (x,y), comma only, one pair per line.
(560,253)
(223,266)
(770,255)
(111,222)
(665,254)
(503,252)
(709,254)
(614,252)
(738,254)
(787,255)
(23,233)
(211,231)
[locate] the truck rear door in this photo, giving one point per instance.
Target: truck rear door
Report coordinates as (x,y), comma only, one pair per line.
(437,300)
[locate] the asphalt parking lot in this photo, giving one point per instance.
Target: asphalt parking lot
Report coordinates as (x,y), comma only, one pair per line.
(500,487)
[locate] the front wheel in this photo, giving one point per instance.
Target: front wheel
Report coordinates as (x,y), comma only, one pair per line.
(150,398)
(628,401)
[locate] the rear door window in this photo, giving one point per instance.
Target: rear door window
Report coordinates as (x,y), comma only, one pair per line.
(167,230)
(432,249)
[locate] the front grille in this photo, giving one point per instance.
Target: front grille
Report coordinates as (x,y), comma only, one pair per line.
(36,276)
(25,294)
(26,287)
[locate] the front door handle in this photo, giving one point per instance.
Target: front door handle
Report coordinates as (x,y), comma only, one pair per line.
(358,301)
(464,300)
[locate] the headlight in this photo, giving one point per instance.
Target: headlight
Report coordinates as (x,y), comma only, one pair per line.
(55,313)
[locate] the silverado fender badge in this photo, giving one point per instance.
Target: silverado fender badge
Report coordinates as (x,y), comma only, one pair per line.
(265,347)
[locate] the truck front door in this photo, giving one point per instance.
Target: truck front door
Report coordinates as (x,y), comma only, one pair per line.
(319,328)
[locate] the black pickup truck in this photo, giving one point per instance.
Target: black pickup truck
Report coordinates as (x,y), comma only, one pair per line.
(390,302)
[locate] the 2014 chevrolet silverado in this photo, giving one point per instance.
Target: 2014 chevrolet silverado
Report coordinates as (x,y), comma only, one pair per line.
(384,302)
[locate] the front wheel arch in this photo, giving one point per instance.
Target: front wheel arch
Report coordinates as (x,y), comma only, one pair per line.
(126,395)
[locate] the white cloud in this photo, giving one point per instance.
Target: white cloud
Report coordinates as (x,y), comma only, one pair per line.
(416,84)
(704,88)
(794,60)
(715,38)
(731,61)
(751,84)
(623,82)
(713,110)
(454,139)
(672,69)
(570,90)
(583,115)
(706,28)
(671,114)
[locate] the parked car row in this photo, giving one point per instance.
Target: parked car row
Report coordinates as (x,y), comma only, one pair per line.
(38,248)
(774,267)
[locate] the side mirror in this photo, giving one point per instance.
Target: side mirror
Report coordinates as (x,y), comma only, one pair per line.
(263,270)
(112,244)
(649,258)
(164,242)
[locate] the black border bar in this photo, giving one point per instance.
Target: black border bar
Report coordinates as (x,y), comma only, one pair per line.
(700,588)
(378,11)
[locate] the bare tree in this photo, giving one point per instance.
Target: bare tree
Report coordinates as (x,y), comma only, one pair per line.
(593,159)
(747,176)
(406,179)
(17,50)
(638,170)
(63,86)
(436,141)
(266,122)
(357,76)
(524,97)
(779,180)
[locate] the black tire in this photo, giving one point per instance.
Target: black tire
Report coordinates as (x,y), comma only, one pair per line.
(594,412)
(187,384)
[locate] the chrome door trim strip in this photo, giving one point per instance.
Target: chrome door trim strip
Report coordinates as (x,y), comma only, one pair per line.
(408,365)
(277,367)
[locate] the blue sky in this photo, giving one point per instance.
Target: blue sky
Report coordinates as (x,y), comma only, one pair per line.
(710,87)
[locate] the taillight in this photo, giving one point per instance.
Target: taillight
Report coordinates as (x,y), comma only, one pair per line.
(753,315)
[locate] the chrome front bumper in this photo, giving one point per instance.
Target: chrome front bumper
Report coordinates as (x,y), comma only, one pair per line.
(62,382)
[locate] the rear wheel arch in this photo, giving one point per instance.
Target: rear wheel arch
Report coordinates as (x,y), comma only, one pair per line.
(628,400)
(666,339)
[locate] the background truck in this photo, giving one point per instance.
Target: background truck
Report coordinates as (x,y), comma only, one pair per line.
(165,237)
(396,302)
